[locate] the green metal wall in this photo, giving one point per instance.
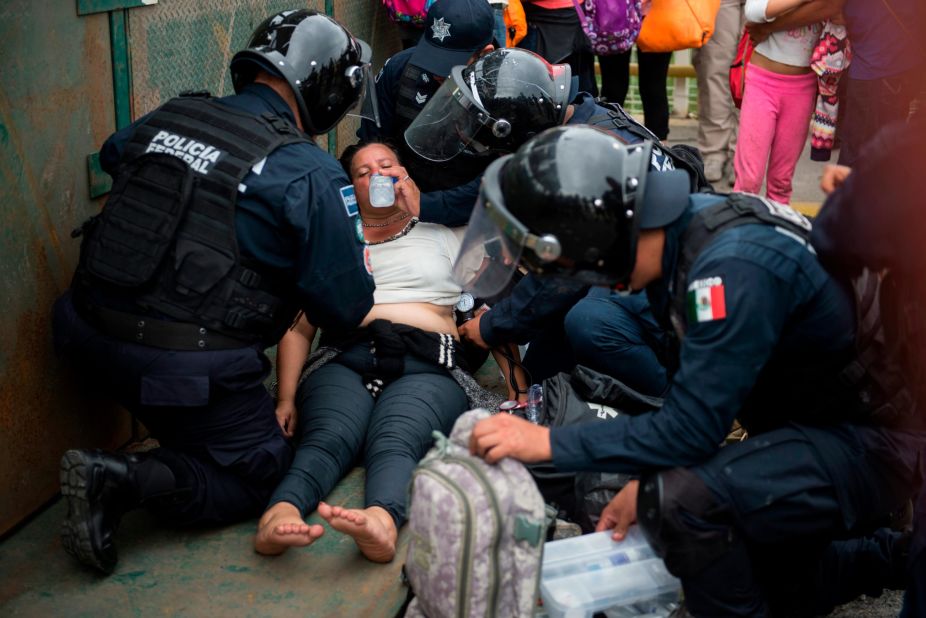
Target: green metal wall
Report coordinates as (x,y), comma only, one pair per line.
(71,71)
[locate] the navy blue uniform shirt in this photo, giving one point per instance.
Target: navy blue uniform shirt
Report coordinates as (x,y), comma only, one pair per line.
(387,92)
(773,312)
(291,218)
(534,303)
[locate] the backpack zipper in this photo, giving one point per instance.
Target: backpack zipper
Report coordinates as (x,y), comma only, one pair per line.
(497,513)
(467,559)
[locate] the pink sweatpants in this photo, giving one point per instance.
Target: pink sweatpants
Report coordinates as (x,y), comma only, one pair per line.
(774,122)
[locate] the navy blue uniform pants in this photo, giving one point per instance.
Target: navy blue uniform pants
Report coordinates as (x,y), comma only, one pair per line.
(209,410)
(806,538)
(618,336)
(341,424)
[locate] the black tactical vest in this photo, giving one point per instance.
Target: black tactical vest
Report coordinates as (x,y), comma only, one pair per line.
(869,386)
(166,242)
(428,175)
(706,224)
(626,127)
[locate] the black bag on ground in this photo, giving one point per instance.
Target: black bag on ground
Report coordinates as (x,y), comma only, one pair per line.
(584,396)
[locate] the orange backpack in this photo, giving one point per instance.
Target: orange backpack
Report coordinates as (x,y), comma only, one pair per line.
(673,25)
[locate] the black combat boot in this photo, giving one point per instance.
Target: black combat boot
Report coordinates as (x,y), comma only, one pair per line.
(99,488)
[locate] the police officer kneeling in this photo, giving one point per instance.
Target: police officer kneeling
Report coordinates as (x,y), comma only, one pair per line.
(776,522)
(225,220)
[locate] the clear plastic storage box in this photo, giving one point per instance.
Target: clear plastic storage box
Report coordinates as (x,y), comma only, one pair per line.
(592,573)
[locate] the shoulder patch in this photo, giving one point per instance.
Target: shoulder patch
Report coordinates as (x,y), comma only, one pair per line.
(367,260)
(706,300)
(349,200)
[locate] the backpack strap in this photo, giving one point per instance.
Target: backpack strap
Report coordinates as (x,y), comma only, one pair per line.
(622,121)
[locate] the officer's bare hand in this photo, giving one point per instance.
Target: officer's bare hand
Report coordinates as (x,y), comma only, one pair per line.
(407,195)
(506,435)
(621,512)
(833,177)
(758,32)
(286,417)
(469,331)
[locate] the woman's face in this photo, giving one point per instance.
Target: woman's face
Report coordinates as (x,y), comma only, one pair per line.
(369,160)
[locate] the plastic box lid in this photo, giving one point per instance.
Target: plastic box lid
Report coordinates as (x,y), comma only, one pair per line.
(591,573)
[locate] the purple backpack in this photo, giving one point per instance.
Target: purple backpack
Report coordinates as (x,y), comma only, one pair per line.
(611,26)
(408,11)
(476,533)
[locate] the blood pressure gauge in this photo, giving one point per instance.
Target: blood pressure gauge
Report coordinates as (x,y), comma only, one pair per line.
(465,306)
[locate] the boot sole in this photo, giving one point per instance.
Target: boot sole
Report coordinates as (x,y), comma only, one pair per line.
(76,537)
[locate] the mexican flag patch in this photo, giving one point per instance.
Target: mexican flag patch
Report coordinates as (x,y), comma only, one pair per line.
(706,300)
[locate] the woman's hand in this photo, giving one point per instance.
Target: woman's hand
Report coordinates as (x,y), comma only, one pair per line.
(621,512)
(286,417)
(407,195)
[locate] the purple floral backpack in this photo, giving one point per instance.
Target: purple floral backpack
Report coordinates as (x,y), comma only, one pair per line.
(611,26)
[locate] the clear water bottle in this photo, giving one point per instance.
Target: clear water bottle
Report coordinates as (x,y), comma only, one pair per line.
(534,403)
(382,193)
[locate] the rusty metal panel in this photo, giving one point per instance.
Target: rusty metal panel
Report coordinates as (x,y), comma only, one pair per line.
(55,109)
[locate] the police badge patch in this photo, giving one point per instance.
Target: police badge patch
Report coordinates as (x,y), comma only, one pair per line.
(367,260)
(349,200)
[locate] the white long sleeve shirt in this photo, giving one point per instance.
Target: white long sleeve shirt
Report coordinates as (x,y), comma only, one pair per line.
(792,47)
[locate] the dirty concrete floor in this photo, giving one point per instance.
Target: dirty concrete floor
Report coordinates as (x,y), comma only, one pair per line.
(212,572)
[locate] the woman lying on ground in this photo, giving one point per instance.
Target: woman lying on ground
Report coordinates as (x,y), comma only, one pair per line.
(380,391)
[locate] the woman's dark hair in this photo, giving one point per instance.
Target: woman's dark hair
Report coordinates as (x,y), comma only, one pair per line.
(347,157)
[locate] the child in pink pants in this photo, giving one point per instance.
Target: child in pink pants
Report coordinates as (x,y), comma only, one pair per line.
(777,104)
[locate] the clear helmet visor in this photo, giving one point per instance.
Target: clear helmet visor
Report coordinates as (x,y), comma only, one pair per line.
(491,248)
(367,107)
(448,124)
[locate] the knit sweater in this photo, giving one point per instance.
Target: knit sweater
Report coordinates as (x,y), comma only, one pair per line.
(830,59)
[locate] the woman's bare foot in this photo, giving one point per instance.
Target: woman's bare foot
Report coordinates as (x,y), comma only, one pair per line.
(372,528)
(282,527)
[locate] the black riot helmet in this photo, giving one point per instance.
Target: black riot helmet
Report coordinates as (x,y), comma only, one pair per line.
(327,68)
(495,104)
(570,203)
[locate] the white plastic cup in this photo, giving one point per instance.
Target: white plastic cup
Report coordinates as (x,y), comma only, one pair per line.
(382,193)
